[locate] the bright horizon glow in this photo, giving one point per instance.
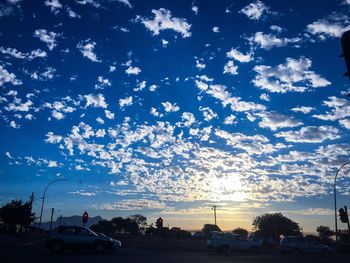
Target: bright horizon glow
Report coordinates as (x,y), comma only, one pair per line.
(168,108)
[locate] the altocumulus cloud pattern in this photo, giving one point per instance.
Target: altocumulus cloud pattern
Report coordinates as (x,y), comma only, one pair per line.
(168,107)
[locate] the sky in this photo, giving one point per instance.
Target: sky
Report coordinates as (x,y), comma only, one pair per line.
(166,108)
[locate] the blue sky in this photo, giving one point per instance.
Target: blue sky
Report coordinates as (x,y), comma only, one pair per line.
(166,108)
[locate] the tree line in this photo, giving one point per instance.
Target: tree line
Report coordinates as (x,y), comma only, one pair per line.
(268,225)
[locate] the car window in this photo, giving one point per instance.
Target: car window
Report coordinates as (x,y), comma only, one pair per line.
(69,231)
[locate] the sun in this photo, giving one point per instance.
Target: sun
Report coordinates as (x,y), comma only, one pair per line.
(227,188)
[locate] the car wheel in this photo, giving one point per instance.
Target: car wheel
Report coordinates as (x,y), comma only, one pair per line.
(296,251)
(99,248)
(223,250)
(56,247)
(254,250)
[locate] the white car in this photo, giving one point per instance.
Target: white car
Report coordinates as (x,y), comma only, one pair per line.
(226,242)
(299,244)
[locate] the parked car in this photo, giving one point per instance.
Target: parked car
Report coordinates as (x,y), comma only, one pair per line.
(82,238)
(299,244)
(116,243)
(226,242)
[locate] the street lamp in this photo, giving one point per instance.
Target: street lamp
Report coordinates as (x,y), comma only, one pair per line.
(42,204)
(335,200)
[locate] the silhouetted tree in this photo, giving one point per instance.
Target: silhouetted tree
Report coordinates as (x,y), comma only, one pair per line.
(17,213)
(140,220)
(240,231)
(207,228)
(274,225)
(324,233)
(178,233)
(151,231)
(126,225)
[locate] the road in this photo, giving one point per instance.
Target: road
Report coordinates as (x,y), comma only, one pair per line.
(31,249)
(131,255)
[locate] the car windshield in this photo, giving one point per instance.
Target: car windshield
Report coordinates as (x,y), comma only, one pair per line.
(90,231)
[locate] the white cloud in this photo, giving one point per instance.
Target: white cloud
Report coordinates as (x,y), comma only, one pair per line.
(90,2)
(109,114)
(71,13)
(294,75)
(55,5)
(125,102)
(133,70)
(208,113)
(52,138)
(268,41)
(97,101)
(303,109)
(163,20)
(265,97)
(340,109)
(14,125)
(200,65)
(345,123)
(100,120)
(48,74)
(230,120)
(86,47)
(125,2)
(188,118)
(37,53)
(195,9)
(17,105)
(216,29)
(47,37)
(102,83)
(230,68)
(52,164)
(168,107)
(310,134)
(333,25)
(100,133)
(132,204)
(239,56)
(274,121)
(57,115)
(155,113)
(255,10)
(81,192)
(6,76)
(165,43)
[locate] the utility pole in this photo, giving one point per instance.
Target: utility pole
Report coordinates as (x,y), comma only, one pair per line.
(214,208)
(43,200)
(52,210)
(31,198)
(346,212)
(335,199)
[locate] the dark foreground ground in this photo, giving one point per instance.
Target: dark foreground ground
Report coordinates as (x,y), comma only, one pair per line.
(32,250)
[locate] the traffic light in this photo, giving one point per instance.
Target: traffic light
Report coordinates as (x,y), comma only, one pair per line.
(345,42)
(85,217)
(343,214)
(159,222)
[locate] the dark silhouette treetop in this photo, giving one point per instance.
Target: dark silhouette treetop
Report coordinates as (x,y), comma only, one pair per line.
(207,228)
(140,220)
(17,212)
(240,231)
(324,233)
(274,225)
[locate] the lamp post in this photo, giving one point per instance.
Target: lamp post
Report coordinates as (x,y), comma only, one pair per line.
(42,203)
(335,200)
